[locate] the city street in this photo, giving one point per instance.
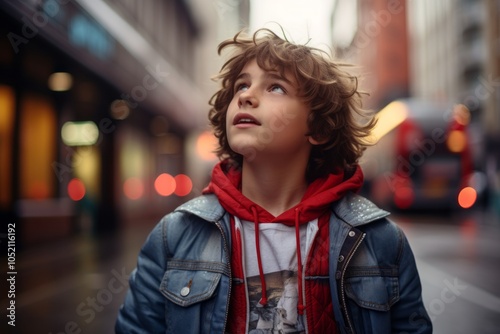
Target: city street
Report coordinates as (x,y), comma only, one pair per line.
(458,257)
(112,113)
(78,284)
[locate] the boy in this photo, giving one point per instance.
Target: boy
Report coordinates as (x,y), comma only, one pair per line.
(279,242)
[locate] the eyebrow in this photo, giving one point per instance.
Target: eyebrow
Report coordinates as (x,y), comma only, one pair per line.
(267,75)
(275,75)
(242,76)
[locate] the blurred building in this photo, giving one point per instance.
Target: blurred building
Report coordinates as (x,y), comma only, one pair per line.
(99,102)
(378,46)
(440,51)
(455,57)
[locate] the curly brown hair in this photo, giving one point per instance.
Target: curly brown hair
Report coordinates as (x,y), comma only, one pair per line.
(336,118)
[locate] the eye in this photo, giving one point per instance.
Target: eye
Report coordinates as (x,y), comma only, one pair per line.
(241,87)
(277,89)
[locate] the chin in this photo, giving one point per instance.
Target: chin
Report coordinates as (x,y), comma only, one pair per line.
(249,152)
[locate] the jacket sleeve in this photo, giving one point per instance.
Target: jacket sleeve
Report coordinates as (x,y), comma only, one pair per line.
(143,310)
(408,314)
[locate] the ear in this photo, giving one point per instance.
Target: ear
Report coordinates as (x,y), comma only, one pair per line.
(314,141)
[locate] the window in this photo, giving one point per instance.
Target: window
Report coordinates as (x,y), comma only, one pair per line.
(37,147)
(7,101)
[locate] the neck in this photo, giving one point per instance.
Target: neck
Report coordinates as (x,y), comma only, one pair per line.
(275,186)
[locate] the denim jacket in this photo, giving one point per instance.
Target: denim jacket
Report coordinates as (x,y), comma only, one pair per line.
(182,283)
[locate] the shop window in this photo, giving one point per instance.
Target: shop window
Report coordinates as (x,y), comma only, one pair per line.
(7,101)
(86,167)
(37,147)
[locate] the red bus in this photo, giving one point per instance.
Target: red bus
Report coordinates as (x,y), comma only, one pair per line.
(422,158)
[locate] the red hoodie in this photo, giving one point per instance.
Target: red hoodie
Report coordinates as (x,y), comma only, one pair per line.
(226,185)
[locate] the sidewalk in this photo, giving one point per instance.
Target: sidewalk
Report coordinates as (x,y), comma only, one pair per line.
(74,284)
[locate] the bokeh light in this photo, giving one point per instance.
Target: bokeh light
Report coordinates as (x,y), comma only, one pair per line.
(76,189)
(60,81)
(456,141)
(165,184)
(183,185)
(119,109)
(467,197)
(206,143)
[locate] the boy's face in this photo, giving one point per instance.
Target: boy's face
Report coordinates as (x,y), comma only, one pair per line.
(266,117)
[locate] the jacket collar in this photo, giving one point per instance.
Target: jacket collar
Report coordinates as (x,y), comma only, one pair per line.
(357,210)
(352,208)
(206,207)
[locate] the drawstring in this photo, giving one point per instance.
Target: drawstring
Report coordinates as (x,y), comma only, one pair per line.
(300,305)
(263,299)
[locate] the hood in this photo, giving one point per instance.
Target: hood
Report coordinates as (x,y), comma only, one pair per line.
(226,185)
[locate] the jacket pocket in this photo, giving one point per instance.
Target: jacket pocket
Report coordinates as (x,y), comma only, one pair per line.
(187,282)
(376,289)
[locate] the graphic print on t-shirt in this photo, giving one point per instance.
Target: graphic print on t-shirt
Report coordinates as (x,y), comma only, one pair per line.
(280,314)
(278,249)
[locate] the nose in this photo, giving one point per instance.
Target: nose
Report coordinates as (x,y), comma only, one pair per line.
(248,98)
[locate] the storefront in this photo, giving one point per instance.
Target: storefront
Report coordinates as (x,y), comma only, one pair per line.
(74,147)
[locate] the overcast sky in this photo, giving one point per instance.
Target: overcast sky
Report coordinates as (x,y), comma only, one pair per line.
(301,19)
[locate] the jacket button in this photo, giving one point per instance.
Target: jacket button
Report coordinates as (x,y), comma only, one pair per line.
(341,258)
(185,291)
(352,233)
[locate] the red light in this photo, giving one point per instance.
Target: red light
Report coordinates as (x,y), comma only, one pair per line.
(165,184)
(133,188)
(467,197)
(76,189)
(184,185)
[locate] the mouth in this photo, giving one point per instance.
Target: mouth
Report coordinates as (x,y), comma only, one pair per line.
(245,119)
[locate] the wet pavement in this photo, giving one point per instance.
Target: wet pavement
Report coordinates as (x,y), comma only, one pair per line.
(458,258)
(77,285)
(74,285)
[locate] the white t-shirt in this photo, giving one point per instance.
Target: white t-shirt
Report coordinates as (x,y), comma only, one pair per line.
(279,262)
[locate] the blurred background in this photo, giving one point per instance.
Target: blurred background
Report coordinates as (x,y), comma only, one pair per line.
(103,130)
